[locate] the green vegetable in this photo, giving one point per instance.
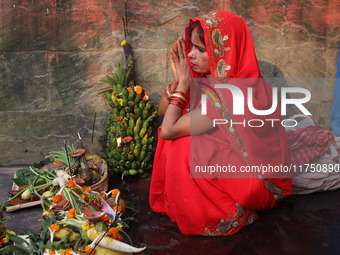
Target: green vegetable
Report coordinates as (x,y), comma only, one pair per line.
(26,195)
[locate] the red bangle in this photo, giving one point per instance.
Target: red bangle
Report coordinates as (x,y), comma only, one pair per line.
(168,93)
(178,102)
(182,94)
(169,88)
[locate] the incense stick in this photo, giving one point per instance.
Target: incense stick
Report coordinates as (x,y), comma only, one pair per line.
(94,123)
(68,159)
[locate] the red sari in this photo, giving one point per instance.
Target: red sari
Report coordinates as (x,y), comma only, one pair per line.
(221,204)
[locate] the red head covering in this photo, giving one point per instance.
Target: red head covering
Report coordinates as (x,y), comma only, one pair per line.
(229,46)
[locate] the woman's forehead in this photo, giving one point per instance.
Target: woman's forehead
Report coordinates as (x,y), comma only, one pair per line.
(195,39)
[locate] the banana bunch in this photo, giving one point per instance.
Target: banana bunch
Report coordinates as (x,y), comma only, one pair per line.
(130,144)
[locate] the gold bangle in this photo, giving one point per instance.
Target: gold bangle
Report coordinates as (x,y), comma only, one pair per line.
(178,95)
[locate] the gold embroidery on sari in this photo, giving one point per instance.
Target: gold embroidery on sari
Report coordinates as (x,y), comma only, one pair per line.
(222,68)
(211,19)
(229,225)
(240,143)
(226,114)
(252,218)
(240,210)
(220,43)
(277,191)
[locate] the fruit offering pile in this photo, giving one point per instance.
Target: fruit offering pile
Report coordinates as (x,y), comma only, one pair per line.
(130,126)
(130,141)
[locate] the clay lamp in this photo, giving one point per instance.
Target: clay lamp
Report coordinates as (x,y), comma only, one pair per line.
(77,153)
(62,205)
(93,216)
(126,140)
(85,172)
(79,181)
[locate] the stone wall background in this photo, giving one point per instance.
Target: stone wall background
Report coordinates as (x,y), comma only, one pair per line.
(53,54)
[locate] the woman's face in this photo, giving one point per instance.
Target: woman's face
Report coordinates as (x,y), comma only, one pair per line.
(199,60)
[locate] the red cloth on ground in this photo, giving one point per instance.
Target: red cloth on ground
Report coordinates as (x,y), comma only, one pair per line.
(220,205)
(310,143)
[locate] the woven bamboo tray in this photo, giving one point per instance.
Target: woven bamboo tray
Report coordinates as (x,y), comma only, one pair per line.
(102,185)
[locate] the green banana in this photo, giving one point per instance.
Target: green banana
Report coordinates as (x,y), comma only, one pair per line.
(149,132)
(145,113)
(137,111)
(127,164)
(133,172)
(131,95)
(145,140)
(132,145)
(129,131)
(142,155)
(122,112)
(131,104)
(131,156)
(126,149)
(116,155)
(122,163)
(123,156)
(136,130)
(119,88)
(132,122)
(134,165)
(149,105)
(142,132)
(125,102)
(125,93)
(136,151)
(151,140)
(141,105)
(137,98)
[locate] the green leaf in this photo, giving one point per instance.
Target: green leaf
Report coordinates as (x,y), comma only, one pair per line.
(84,236)
(16,238)
(106,81)
(126,77)
(63,243)
(99,226)
(114,77)
(120,72)
(42,163)
(109,79)
(23,177)
(105,91)
(32,235)
(4,219)
(18,250)
(106,88)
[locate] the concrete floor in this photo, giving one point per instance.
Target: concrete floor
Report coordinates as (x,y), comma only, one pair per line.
(304,224)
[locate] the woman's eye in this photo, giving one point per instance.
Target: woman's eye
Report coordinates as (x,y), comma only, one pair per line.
(201,50)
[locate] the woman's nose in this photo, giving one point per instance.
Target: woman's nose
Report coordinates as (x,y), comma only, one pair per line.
(191,54)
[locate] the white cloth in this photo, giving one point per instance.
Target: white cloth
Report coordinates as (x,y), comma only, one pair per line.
(309,182)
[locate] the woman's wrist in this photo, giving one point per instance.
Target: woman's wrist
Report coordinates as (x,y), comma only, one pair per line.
(183,87)
(174,86)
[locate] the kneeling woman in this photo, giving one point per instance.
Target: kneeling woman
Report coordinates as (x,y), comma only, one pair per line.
(218,49)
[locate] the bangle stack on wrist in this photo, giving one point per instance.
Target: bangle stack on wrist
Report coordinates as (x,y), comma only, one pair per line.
(168,93)
(179,99)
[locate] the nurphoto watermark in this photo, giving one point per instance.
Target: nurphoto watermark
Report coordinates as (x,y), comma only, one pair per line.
(249,119)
